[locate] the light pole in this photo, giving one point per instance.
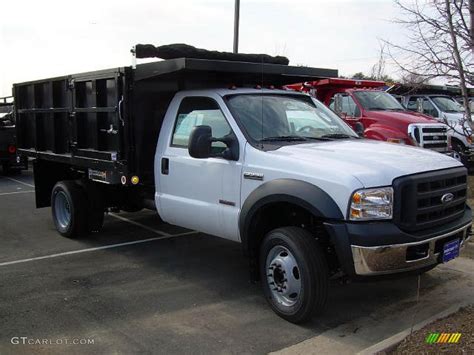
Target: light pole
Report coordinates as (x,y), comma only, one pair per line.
(236,26)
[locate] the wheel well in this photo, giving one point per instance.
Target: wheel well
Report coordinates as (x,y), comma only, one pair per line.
(458,141)
(284,214)
(46,175)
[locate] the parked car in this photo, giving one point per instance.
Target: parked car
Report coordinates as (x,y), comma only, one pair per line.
(365,103)
(9,159)
(211,145)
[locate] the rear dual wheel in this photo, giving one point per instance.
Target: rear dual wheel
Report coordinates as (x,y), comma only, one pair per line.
(294,273)
(74,210)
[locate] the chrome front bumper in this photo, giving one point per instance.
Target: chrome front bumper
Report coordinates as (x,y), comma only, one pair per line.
(395,258)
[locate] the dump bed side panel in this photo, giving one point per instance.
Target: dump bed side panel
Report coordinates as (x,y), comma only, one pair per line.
(76,119)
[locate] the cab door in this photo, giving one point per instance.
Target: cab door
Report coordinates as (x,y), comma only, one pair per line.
(200,194)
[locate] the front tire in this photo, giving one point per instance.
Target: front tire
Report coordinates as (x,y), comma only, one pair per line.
(69,209)
(460,151)
(294,273)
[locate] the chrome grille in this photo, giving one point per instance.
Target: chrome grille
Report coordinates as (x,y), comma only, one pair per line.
(434,137)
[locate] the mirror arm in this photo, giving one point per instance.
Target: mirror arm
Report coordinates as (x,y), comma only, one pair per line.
(230,153)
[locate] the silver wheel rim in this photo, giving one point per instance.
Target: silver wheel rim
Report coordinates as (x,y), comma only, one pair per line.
(283,276)
(63,210)
(457,156)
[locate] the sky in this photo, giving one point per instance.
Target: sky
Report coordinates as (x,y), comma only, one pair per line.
(41,39)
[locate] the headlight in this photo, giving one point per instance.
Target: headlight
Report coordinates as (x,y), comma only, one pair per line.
(396,140)
(368,204)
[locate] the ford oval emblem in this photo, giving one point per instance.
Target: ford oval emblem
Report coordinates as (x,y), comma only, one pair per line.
(446,198)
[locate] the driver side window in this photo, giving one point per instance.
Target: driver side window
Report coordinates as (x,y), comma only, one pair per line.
(349,107)
(197,111)
(429,109)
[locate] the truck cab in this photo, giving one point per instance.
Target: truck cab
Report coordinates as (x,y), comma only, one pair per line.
(9,157)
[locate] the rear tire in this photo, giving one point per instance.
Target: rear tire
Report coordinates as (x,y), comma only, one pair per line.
(69,209)
(294,273)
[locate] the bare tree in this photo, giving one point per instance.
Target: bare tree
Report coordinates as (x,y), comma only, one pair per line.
(439,44)
(377,72)
(471,16)
(378,69)
(413,80)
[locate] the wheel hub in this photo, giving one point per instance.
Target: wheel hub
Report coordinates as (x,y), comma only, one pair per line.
(283,276)
(63,210)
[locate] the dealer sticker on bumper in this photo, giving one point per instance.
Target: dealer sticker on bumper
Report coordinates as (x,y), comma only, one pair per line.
(450,250)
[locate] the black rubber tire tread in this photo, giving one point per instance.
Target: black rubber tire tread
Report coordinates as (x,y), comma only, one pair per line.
(460,149)
(78,203)
(313,269)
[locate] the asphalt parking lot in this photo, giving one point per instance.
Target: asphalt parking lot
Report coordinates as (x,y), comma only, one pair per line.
(144,286)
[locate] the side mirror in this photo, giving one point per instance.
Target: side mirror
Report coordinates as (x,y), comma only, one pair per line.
(338,103)
(200,144)
(359,129)
(419,105)
(200,140)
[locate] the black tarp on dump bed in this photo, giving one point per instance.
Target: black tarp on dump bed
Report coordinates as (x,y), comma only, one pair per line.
(181,50)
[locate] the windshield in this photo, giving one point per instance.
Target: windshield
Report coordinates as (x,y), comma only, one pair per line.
(284,117)
(447,104)
(378,101)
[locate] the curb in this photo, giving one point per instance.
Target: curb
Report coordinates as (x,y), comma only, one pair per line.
(390,343)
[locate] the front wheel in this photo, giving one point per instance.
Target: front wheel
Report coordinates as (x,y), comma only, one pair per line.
(294,273)
(459,151)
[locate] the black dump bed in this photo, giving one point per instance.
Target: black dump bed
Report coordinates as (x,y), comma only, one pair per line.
(421,89)
(109,120)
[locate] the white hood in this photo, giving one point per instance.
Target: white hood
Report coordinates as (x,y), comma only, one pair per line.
(341,167)
(454,118)
(372,163)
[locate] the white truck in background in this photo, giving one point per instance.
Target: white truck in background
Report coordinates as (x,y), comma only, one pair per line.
(439,103)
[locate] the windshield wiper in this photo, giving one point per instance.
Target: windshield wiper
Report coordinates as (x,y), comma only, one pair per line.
(323,138)
(337,136)
(283,138)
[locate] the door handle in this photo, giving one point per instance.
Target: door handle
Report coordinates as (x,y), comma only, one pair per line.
(165,166)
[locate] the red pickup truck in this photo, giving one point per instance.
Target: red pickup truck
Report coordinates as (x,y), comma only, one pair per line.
(365,106)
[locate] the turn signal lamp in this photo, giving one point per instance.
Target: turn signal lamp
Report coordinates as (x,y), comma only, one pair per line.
(396,140)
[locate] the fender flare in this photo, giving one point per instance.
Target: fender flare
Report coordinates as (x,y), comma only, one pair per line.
(297,192)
